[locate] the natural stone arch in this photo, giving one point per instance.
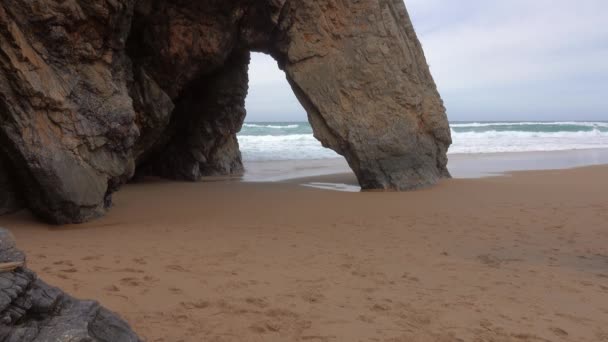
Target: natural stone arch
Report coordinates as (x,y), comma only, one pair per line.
(368,93)
(160,86)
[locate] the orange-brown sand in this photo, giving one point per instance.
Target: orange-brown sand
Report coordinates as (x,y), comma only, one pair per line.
(514,258)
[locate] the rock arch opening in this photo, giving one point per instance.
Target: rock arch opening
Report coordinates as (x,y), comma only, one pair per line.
(276,127)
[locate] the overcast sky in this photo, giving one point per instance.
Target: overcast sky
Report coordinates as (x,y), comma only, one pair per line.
(492,60)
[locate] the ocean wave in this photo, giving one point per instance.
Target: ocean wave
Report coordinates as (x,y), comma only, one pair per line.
(531,123)
(520,141)
(283,147)
(291,126)
(491,134)
(276,137)
(275,144)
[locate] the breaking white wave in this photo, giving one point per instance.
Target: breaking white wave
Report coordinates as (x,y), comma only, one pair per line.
(271,126)
(283,147)
(529,123)
(294,141)
(513,141)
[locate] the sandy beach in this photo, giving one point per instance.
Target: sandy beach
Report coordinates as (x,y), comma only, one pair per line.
(522,257)
(303,171)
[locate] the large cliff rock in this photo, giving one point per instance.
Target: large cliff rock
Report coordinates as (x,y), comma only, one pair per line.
(67,120)
(359,70)
(31,310)
(93,91)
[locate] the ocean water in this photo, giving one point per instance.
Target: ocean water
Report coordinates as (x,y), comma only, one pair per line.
(262,141)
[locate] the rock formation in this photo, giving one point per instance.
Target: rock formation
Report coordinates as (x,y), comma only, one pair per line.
(31,310)
(93,91)
(10,200)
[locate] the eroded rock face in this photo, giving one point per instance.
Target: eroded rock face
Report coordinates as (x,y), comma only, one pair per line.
(66,117)
(93,91)
(202,135)
(31,310)
(360,72)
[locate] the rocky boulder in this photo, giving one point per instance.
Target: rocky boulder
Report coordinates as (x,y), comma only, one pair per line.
(93,92)
(31,310)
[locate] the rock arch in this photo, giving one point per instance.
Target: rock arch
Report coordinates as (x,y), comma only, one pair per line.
(93,91)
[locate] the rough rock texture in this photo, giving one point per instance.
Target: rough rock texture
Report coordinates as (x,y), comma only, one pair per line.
(359,70)
(92,91)
(204,125)
(67,121)
(31,310)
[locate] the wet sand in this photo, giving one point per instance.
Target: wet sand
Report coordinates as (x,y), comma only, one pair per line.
(522,257)
(473,165)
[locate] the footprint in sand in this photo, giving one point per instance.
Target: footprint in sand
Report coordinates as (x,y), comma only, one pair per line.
(112,288)
(150,279)
(129,270)
(359,274)
(381,307)
(130,281)
(175,290)
(489,260)
(279,320)
(177,268)
(258,328)
(559,332)
(64,263)
(266,327)
(201,304)
(257,302)
(408,277)
(346,266)
(366,319)
(313,297)
(140,261)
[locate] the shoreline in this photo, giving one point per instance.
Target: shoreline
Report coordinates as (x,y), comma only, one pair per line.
(461,166)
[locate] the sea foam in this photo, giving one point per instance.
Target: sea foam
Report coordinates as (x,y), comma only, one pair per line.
(294,140)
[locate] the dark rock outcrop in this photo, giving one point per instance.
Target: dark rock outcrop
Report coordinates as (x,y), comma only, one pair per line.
(10,199)
(93,91)
(67,120)
(31,310)
(207,117)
